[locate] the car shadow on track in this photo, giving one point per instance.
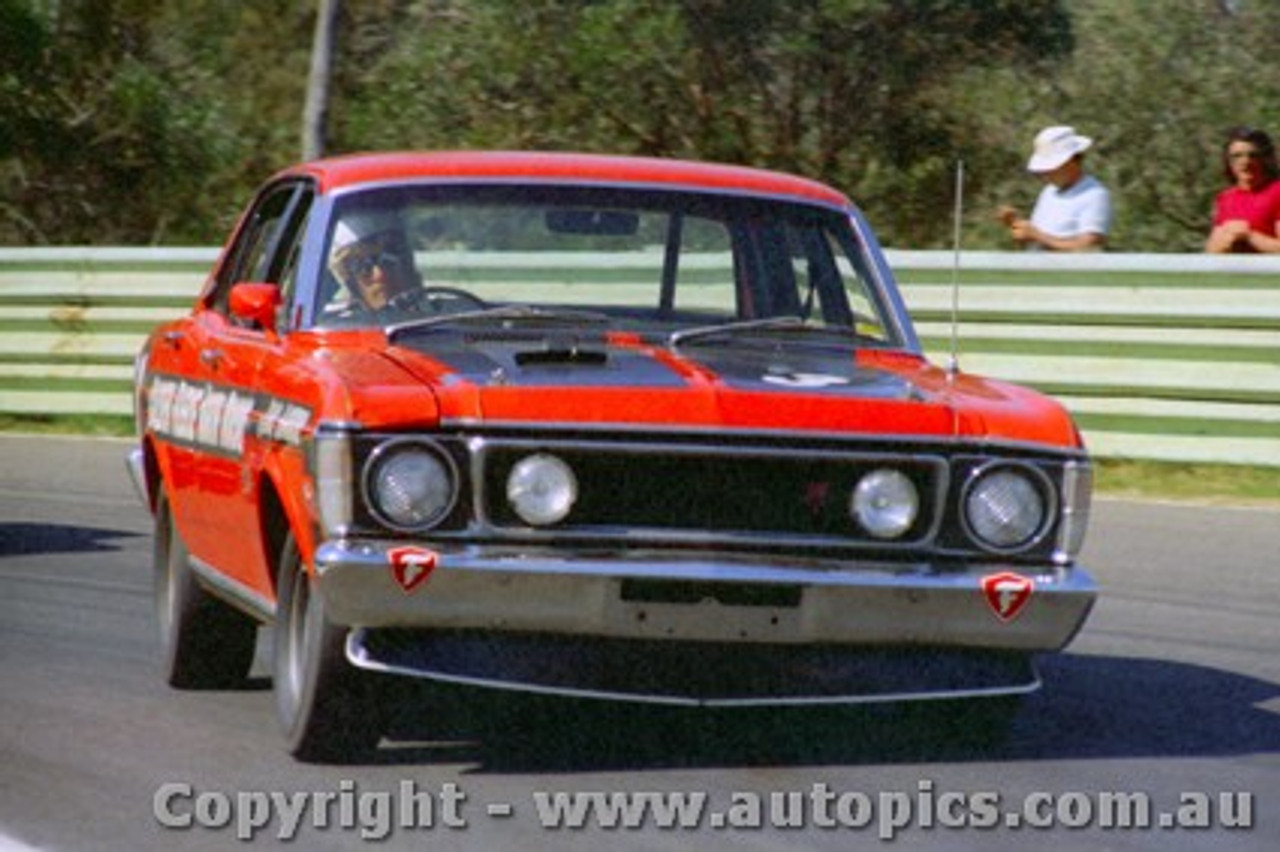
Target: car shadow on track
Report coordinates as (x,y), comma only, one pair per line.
(25,539)
(1090,707)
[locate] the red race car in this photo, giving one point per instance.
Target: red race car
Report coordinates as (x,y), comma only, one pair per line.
(625,428)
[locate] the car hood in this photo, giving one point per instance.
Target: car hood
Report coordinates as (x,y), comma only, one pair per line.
(621,380)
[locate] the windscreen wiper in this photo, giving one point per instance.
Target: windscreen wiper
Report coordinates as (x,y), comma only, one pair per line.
(499,312)
(781,323)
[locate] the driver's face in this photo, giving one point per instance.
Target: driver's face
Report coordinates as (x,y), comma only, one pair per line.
(377,269)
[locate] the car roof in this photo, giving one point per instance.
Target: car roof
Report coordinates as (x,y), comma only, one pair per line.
(389,167)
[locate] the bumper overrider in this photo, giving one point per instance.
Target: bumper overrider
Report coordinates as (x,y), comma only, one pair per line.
(697,627)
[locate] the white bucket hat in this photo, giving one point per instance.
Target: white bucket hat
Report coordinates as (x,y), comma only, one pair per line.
(1054,146)
(357,227)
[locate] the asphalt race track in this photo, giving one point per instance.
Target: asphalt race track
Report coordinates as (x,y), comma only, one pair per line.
(1159,730)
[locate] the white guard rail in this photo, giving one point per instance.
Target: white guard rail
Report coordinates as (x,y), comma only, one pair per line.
(1160,357)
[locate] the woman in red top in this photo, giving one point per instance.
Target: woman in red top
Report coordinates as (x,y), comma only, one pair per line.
(1246,215)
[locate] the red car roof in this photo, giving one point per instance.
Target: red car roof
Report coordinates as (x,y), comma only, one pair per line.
(356,169)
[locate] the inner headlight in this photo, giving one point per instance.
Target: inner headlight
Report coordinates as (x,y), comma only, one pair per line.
(885,503)
(542,489)
(1006,508)
(410,486)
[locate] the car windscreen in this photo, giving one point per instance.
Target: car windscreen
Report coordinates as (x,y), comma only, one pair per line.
(652,260)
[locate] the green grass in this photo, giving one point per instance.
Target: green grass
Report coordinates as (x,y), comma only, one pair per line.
(1179,481)
(1120,478)
(96,425)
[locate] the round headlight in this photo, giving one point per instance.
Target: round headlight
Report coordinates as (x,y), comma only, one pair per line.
(542,489)
(1005,509)
(885,503)
(410,486)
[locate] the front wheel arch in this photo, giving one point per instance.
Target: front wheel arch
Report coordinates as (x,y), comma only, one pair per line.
(276,530)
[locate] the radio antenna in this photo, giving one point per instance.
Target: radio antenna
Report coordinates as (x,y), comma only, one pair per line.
(953,362)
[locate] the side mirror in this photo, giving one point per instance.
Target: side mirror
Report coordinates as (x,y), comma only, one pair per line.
(256,305)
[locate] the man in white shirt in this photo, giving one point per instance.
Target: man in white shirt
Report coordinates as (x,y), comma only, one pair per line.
(1073,212)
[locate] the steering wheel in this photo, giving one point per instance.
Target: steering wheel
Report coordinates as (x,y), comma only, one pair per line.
(444,300)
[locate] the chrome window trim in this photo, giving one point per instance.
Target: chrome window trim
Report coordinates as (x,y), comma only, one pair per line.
(883,282)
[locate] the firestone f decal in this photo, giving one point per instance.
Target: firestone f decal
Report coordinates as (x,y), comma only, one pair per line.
(1007,594)
(412,566)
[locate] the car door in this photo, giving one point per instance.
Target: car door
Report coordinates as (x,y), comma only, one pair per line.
(219,400)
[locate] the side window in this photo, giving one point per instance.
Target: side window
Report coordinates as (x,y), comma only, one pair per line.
(257,254)
(290,255)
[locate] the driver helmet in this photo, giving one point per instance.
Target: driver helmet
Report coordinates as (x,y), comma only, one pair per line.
(365,239)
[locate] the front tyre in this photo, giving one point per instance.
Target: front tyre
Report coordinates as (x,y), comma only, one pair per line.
(204,643)
(325,705)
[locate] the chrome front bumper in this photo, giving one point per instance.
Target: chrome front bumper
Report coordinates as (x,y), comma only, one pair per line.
(692,673)
(135,463)
(695,628)
(698,596)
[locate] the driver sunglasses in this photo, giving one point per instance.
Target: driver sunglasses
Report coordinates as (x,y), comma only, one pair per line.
(363,265)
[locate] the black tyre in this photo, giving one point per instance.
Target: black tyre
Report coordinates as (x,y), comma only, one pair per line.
(204,643)
(326,706)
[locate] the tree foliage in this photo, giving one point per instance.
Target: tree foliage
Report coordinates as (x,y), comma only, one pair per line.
(151,121)
(853,91)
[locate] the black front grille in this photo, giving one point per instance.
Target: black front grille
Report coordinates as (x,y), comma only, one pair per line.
(774,492)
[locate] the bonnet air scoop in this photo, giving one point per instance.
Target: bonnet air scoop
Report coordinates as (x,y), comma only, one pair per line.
(570,354)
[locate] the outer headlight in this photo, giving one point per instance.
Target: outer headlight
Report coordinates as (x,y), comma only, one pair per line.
(885,503)
(1006,508)
(410,486)
(542,489)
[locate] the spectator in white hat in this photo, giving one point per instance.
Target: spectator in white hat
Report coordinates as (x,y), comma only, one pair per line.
(1073,211)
